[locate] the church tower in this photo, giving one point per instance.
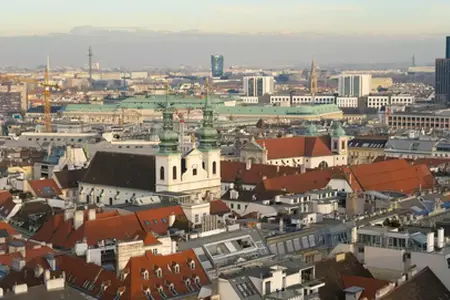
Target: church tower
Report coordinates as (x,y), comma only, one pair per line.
(339,144)
(168,158)
(209,146)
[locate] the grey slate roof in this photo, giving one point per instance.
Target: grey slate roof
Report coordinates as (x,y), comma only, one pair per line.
(424,285)
(133,171)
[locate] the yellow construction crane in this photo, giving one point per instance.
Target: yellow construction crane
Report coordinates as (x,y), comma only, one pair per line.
(47,93)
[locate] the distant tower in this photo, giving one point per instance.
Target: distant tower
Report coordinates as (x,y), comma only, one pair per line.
(90,55)
(413,63)
(313,80)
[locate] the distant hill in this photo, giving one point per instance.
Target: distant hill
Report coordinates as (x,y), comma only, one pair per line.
(136,48)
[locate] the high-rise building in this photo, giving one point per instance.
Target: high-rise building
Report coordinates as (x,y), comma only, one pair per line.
(443,79)
(447,48)
(356,85)
(443,75)
(217,65)
(255,86)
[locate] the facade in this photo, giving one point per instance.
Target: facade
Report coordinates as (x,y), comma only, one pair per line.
(10,102)
(302,99)
(258,86)
(217,65)
(379,101)
(308,151)
(346,102)
(419,121)
(355,84)
(443,79)
(364,150)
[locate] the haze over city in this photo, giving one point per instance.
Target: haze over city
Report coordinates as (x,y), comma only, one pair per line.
(250,32)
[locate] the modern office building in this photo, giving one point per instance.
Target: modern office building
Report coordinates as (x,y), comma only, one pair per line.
(257,86)
(443,75)
(217,65)
(356,85)
(447,48)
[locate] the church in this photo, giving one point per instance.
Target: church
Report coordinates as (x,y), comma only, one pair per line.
(118,178)
(309,152)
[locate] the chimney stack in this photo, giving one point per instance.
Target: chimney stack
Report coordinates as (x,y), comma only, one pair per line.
(92,214)
(281,225)
(440,238)
(171,219)
(248,165)
(78,219)
(430,242)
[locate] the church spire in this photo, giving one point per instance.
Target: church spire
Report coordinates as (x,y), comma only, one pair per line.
(313,78)
(168,137)
(208,135)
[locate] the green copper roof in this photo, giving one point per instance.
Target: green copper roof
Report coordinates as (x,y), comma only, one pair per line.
(338,131)
(168,137)
(311,130)
(208,135)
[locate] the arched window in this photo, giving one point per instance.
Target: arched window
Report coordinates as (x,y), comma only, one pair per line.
(174,174)
(161,173)
(214,168)
(323,165)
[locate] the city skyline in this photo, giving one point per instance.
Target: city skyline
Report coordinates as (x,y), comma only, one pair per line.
(251,16)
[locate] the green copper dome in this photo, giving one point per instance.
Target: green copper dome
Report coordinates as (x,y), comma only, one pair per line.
(338,131)
(208,135)
(168,137)
(311,130)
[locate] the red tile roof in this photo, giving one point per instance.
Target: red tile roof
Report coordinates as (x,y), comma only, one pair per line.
(135,284)
(7,227)
(45,188)
(370,285)
(299,146)
(230,170)
(7,207)
(4,196)
(218,207)
(157,219)
(389,175)
(107,225)
(30,254)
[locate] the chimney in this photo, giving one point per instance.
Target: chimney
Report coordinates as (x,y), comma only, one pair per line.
(51,261)
(20,288)
(350,179)
(281,225)
(78,219)
(354,235)
(18,264)
(248,165)
(68,214)
(91,214)
(278,169)
(171,219)
(440,238)
(46,275)
(302,169)
(430,242)
(38,271)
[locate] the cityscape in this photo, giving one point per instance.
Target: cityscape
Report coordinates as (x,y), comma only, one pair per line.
(149,161)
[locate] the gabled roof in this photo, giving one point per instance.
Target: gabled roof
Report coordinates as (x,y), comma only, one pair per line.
(157,219)
(332,270)
(45,188)
(218,207)
(182,278)
(4,196)
(424,285)
(68,179)
(230,170)
(389,175)
(124,170)
(299,146)
(370,285)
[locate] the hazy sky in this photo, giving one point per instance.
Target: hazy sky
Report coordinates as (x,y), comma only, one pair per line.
(331,16)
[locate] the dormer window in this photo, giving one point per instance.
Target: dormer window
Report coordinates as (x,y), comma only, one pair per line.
(161,292)
(145,274)
(159,273)
(176,268)
(189,285)
(191,264)
(172,289)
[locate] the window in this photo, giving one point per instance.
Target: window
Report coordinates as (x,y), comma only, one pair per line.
(164,220)
(238,206)
(176,269)
(343,145)
(196,219)
(155,221)
(214,168)
(158,271)
(194,172)
(203,165)
(161,173)
(192,265)
(174,173)
(155,251)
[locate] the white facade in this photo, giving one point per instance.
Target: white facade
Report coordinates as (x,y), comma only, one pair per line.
(250,100)
(347,102)
(355,84)
(378,101)
(302,99)
(259,85)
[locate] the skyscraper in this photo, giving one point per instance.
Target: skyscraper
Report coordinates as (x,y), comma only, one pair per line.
(256,86)
(447,48)
(443,75)
(356,85)
(217,65)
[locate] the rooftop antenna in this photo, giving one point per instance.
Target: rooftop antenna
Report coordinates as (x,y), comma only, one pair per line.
(90,55)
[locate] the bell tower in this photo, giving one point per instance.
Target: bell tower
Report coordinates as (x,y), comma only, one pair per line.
(209,146)
(168,158)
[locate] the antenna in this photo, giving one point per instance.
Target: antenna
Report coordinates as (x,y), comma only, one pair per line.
(90,55)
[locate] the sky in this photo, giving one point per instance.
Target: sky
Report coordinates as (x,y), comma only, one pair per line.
(378,17)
